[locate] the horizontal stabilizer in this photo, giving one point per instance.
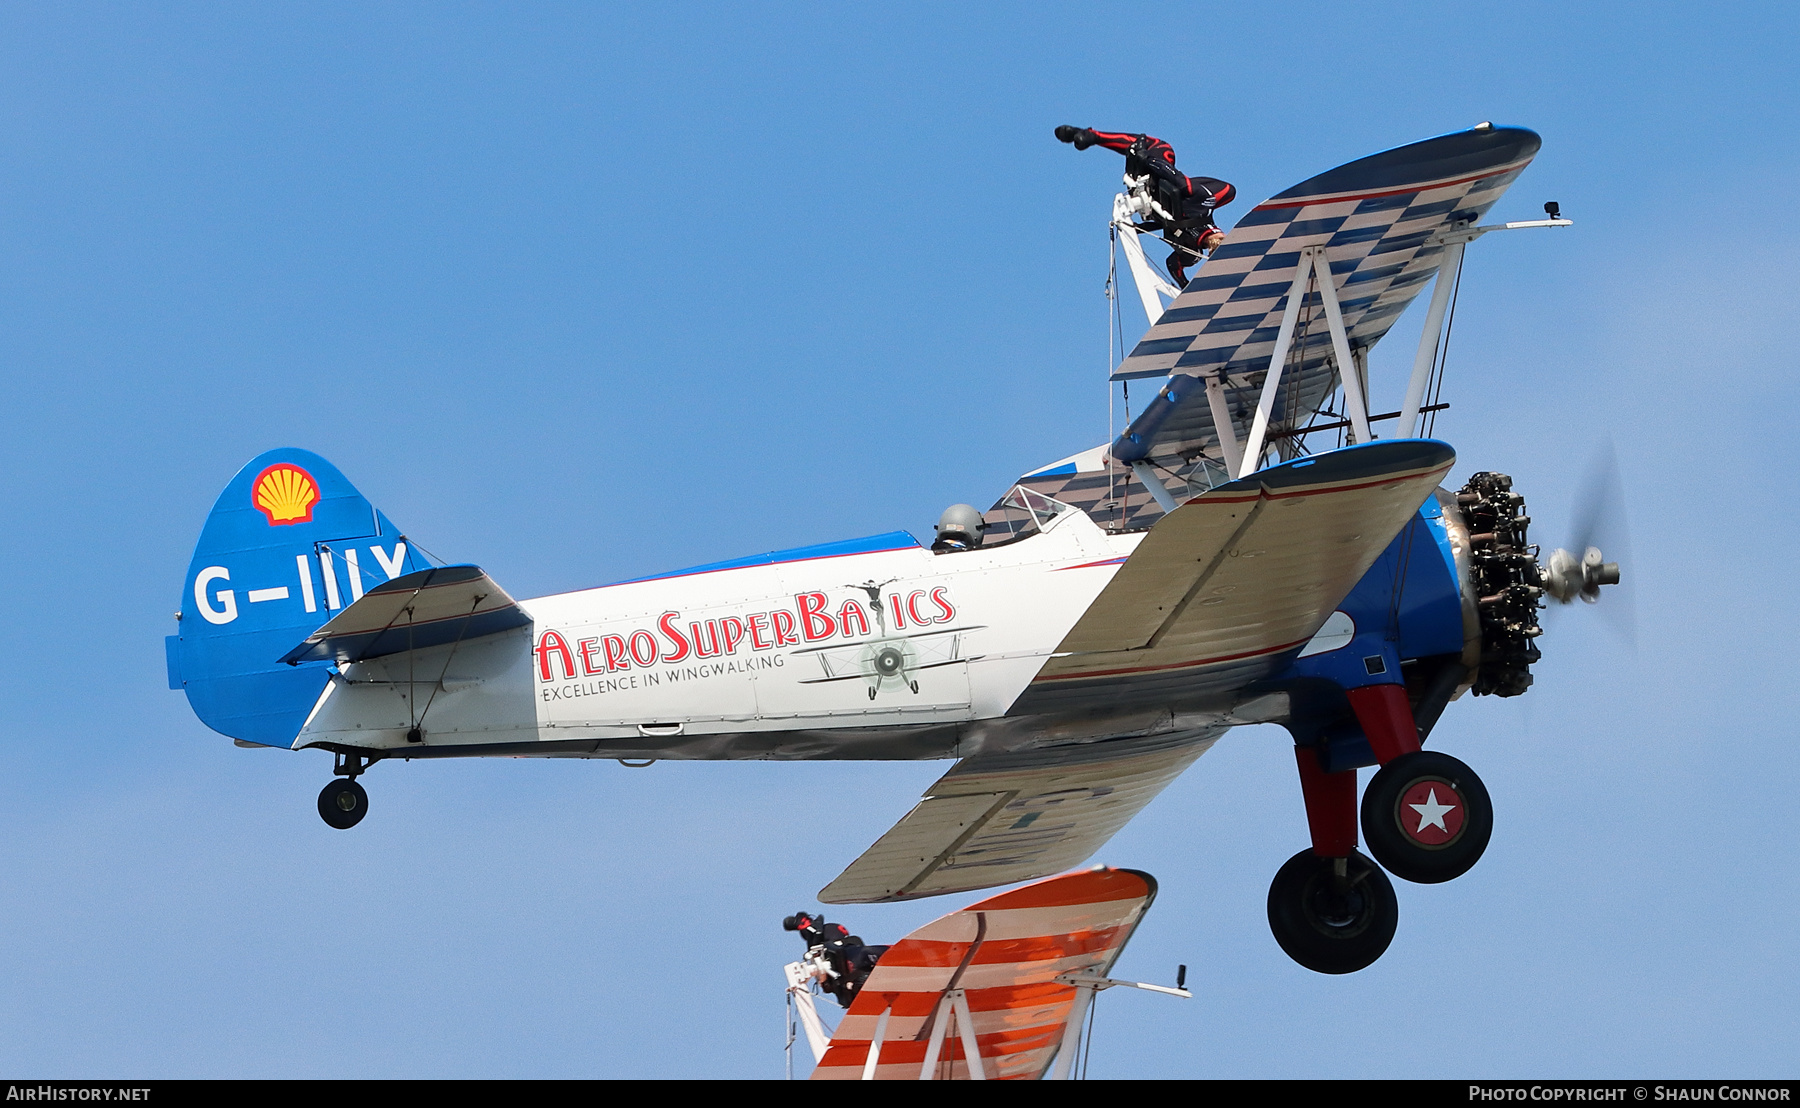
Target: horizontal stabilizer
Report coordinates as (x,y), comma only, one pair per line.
(429,608)
(999,818)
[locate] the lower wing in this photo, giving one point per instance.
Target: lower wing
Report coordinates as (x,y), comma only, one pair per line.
(999,818)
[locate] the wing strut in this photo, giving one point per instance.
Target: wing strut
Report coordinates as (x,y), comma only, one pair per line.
(1448,269)
(1159,492)
(1426,359)
(800,977)
(1221,415)
(953,1000)
(1313,262)
(1147,282)
(875,1043)
(1355,403)
(1265,404)
(1086,985)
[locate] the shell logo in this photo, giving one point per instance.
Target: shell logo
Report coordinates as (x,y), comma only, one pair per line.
(285,494)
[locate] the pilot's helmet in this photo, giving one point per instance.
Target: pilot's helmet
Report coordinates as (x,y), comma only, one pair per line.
(961,523)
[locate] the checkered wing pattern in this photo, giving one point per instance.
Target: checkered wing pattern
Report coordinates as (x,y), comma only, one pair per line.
(1376,218)
(1111,495)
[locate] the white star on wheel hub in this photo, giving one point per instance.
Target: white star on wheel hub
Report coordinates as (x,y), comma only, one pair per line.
(1431,813)
(1436,813)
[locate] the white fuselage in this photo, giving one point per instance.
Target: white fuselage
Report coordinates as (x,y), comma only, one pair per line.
(886,654)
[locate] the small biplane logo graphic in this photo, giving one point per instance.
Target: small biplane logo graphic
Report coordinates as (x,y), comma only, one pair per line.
(888,658)
(285,494)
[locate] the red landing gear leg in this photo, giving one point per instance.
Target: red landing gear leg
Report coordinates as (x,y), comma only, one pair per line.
(1425,815)
(1330,805)
(1386,718)
(1331,909)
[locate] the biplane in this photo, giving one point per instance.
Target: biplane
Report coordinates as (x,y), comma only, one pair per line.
(997,991)
(1247,550)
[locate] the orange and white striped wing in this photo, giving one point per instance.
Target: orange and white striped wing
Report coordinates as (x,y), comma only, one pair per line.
(1005,954)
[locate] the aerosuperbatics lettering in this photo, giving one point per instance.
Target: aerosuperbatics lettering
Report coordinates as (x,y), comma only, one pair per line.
(645,656)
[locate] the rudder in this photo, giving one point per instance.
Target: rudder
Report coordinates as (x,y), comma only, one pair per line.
(288,544)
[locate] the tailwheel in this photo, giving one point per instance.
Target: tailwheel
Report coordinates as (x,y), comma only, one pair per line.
(1332,915)
(1426,817)
(343,803)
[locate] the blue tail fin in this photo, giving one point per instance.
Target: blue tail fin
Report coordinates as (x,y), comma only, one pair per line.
(289,543)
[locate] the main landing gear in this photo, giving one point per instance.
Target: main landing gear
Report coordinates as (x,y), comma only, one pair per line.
(343,803)
(1332,915)
(1426,818)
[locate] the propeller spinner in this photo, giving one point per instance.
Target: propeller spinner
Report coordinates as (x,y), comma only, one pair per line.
(1566,576)
(1599,515)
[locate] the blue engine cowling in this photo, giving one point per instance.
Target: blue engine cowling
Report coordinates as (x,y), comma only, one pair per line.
(1451,605)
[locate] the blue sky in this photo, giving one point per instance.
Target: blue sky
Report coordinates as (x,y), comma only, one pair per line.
(581,293)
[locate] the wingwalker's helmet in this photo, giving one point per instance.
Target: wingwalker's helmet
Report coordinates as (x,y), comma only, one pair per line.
(961,523)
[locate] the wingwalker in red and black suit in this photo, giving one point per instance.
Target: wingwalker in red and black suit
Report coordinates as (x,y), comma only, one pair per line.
(1075,649)
(1184,205)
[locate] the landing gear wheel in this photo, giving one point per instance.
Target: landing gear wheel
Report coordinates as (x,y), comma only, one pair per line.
(343,803)
(1426,817)
(1330,923)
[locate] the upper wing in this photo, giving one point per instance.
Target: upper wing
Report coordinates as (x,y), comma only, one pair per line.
(413,611)
(1005,953)
(998,818)
(1243,573)
(1376,218)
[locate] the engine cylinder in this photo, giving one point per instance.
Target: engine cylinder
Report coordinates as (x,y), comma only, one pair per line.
(1504,576)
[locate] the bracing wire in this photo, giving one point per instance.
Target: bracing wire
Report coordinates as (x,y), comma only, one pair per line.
(1443,353)
(1291,368)
(1087,1049)
(790,1036)
(1433,392)
(1113,324)
(1122,503)
(429,556)
(445,672)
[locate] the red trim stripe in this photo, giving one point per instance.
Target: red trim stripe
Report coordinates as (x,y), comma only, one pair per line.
(1316,490)
(1332,198)
(1173,665)
(1090,565)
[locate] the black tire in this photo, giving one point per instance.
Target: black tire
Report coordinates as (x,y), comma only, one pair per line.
(343,803)
(1330,924)
(1433,843)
